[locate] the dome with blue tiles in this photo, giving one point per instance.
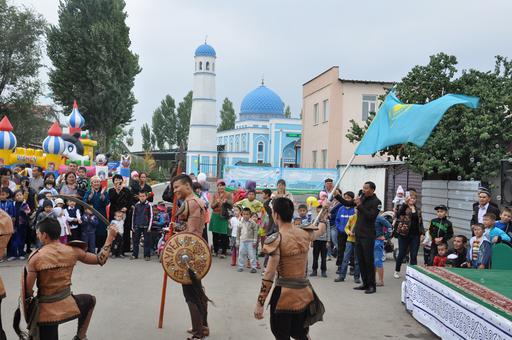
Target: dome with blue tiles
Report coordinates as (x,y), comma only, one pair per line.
(261,102)
(205,50)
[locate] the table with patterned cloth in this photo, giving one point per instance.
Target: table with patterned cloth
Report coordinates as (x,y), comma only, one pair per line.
(460,303)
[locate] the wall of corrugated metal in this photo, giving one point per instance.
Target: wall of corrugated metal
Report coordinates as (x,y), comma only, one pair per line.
(458,196)
(401,175)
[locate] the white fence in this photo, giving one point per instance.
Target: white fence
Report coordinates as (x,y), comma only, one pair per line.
(458,196)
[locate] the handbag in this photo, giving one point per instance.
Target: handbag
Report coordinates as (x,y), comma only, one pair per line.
(403,225)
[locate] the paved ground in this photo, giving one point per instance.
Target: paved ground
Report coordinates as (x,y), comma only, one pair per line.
(128,294)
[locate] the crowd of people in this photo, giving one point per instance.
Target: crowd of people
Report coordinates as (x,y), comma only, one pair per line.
(357,234)
(29,195)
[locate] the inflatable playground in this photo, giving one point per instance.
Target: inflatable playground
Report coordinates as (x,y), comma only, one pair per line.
(60,148)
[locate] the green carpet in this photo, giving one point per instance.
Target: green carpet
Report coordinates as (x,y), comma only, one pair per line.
(498,280)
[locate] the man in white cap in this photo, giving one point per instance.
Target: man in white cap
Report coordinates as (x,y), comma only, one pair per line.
(483,206)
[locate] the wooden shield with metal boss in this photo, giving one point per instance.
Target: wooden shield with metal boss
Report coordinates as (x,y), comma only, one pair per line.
(183,251)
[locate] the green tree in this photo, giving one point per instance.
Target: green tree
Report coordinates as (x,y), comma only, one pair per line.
(288,112)
(164,123)
(21,33)
(183,121)
(466,144)
(145,131)
(227,116)
(121,143)
(92,62)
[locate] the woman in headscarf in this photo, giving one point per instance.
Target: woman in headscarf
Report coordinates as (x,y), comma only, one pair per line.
(219,223)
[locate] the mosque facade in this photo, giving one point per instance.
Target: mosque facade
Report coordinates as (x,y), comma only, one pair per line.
(262,134)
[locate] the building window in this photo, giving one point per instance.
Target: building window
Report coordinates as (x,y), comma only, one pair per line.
(326,110)
(369,105)
(207,66)
(314,159)
(315,113)
(237,144)
(261,153)
(243,143)
(200,65)
(324,158)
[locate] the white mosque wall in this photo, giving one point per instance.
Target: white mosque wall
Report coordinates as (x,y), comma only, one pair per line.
(203,112)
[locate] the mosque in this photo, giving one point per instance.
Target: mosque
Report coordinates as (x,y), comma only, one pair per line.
(262,133)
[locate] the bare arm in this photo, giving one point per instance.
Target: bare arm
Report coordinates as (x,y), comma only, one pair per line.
(266,284)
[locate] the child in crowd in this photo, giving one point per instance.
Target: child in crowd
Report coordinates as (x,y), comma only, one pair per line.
(141,225)
(350,248)
(457,255)
(234,221)
(255,218)
(440,258)
(6,204)
(381,229)
(46,210)
(64,228)
(427,247)
(49,185)
(304,214)
(73,218)
(117,245)
(505,222)
(246,240)
(251,202)
(21,212)
(479,250)
(494,234)
(89,224)
(440,230)
(320,248)
(399,198)
(161,220)
(81,181)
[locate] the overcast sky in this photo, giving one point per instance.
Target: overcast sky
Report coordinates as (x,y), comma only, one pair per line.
(290,41)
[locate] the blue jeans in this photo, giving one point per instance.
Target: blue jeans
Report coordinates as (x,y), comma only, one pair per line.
(409,243)
(334,241)
(350,248)
(378,253)
(89,237)
(246,250)
(138,231)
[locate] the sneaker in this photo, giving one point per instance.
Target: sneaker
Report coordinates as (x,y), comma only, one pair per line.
(133,257)
(121,256)
(240,270)
(313,273)
(357,280)
(21,258)
(396,275)
(253,270)
(329,258)
(339,279)
(338,271)
(147,258)
(12,258)
(324,274)
(222,256)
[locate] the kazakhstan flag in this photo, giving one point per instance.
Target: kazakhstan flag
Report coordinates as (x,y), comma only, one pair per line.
(399,123)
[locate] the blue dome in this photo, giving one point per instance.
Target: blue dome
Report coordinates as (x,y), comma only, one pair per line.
(262,101)
(205,50)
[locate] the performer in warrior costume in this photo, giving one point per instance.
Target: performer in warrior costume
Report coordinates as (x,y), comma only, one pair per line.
(6,230)
(50,268)
(192,214)
(294,305)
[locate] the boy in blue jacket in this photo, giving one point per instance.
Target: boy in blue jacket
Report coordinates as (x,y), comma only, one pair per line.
(344,212)
(493,234)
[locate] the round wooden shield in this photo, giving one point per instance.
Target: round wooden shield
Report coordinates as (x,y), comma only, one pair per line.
(184,250)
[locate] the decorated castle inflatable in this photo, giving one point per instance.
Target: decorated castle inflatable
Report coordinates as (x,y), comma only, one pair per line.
(58,148)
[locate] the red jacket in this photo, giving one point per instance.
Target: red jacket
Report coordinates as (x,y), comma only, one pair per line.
(440,261)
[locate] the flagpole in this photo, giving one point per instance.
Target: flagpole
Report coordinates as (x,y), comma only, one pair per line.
(331,194)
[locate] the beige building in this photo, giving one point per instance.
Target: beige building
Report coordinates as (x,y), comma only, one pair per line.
(328,105)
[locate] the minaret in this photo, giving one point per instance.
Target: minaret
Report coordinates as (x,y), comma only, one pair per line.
(202,146)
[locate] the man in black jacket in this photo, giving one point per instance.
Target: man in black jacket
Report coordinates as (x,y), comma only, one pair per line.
(483,206)
(368,207)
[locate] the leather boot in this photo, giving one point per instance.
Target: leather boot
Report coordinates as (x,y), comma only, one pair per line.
(197,321)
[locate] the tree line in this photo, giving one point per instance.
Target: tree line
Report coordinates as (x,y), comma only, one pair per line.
(92,62)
